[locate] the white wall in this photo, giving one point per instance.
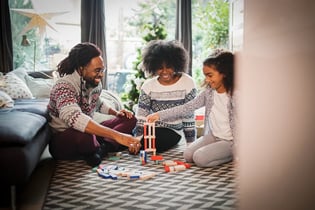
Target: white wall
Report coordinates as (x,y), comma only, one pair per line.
(276,77)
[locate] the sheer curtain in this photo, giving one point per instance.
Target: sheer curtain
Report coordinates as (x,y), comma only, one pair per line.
(183,27)
(93,25)
(6,49)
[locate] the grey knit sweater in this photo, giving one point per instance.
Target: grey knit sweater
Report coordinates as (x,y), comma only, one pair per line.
(204,99)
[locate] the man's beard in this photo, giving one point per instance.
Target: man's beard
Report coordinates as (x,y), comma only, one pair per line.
(90,82)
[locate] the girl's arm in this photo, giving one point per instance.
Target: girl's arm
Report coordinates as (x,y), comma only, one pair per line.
(189,126)
(179,111)
(143,110)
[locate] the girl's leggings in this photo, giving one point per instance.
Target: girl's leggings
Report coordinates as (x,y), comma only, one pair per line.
(209,151)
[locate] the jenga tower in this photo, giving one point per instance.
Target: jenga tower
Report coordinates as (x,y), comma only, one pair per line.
(149,137)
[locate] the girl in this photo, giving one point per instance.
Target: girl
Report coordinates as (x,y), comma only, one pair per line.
(215,147)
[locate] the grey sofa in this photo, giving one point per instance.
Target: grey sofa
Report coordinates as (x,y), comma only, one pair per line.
(24,135)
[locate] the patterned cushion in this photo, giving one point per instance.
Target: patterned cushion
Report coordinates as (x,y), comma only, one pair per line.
(39,82)
(5,100)
(14,86)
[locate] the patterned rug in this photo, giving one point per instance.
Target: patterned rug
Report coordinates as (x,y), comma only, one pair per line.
(76,186)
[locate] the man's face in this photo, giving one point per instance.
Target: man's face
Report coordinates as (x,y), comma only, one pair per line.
(93,72)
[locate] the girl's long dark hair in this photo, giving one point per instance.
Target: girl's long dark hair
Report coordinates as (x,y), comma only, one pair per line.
(79,56)
(223,62)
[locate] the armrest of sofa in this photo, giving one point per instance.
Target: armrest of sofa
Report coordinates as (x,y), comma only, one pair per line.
(19,128)
(42,74)
(36,106)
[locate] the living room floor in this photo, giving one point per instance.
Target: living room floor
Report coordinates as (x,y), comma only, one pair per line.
(54,186)
(31,196)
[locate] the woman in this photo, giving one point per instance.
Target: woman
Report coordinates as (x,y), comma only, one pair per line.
(170,86)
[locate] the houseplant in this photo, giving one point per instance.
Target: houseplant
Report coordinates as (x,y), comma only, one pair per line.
(153,30)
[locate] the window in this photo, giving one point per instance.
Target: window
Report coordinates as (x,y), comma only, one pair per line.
(125,21)
(125,32)
(51,28)
(210,30)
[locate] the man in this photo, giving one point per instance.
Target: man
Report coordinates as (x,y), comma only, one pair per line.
(74,99)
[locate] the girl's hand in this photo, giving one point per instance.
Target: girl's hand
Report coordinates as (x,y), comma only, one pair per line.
(153,117)
(125,113)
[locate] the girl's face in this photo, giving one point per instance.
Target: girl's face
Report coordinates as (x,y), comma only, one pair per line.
(214,78)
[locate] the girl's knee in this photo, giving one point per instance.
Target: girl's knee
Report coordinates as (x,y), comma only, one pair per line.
(200,159)
(188,155)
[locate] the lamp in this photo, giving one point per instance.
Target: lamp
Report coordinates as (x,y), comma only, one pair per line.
(25,43)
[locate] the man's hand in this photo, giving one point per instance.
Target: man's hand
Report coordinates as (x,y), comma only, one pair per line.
(134,148)
(125,112)
(131,142)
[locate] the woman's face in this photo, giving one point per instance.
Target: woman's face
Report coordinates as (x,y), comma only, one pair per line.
(166,75)
(214,78)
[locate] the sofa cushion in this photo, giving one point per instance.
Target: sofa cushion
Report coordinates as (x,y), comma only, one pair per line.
(111,99)
(39,87)
(18,162)
(5,100)
(36,106)
(19,128)
(14,86)
(21,73)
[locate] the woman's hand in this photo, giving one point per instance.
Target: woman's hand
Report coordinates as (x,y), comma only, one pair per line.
(125,112)
(153,117)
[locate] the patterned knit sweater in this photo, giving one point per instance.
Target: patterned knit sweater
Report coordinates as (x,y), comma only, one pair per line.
(155,97)
(71,107)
